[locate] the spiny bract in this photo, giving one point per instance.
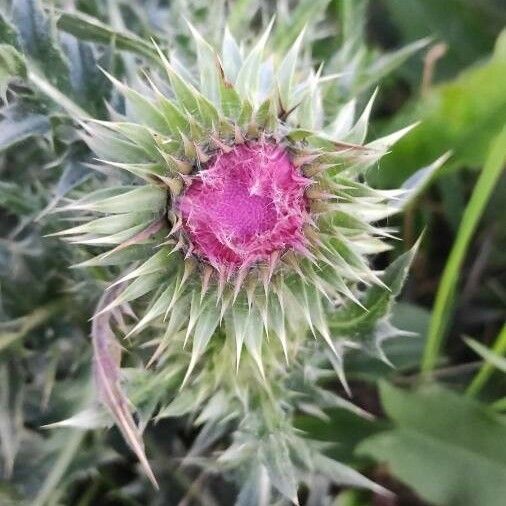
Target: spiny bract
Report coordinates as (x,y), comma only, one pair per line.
(242,212)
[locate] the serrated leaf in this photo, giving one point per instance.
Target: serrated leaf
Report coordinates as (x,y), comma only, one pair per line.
(377,301)
(417,183)
(358,133)
(305,12)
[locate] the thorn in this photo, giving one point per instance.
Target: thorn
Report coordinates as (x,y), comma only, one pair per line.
(181,166)
(240,277)
(304,159)
(222,276)
(201,156)
(239,138)
(273,262)
(221,145)
(206,276)
(175,185)
(188,147)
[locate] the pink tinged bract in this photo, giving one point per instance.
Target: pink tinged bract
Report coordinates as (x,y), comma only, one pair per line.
(247,205)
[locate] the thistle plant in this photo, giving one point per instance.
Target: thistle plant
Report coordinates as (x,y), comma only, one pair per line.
(242,225)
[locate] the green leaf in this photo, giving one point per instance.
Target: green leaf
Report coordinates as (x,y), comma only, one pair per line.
(12,64)
(19,124)
(288,29)
(463,116)
(467,28)
(404,354)
(377,301)
(38,41)
(448,448)
(86,27)
(142,198)
(90,87)
(446,290)
(276,458)
(342,429)
(494,358)
(8,33)
(490,356)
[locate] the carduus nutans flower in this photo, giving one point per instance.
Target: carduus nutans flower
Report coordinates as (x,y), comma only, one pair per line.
(241,219)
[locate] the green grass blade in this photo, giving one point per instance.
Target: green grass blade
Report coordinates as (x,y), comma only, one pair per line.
(444,297)
(491,357)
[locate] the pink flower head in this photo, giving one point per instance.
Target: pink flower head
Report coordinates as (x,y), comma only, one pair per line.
(246,206)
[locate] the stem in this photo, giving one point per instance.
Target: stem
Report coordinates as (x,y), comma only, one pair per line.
(444,297)
(487,368)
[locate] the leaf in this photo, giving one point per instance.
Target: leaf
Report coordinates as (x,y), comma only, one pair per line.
(141,198)
(231,54)
(208,67)
(38,41)
(404,354)
(286,73)
(416,184)
(254,490)
(276,458)
(448,448)
(345,475)
(88,418)
(19,124)
(86,27)
(485,185)
(12,64)
(27,323)
(377,301)
(90,87)
(106,362)
(467,28)
(343,430)
(287,29)
(462,115)
(8,33)
(494,358)
(248,78)
(74,173)
(386,64)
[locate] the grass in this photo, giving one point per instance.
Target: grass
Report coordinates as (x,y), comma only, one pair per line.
(444,301)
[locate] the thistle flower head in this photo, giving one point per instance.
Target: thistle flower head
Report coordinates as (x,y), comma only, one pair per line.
(247,206)
(241,220)
(244,204)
